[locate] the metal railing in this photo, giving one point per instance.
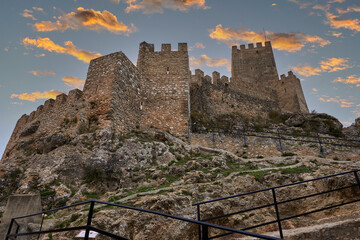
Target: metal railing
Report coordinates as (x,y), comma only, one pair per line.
(205,226)
(281,135)
(275,203)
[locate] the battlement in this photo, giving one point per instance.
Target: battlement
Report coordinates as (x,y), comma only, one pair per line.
(251,46)
(165,47)
(199,76)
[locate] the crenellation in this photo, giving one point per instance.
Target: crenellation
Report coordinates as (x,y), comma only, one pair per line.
(60,100)
(39,110)
(250,45)
(165,47)
(242,47)
(48,104)
(74,95)
(215,77)
(32,116)
(208,78)
(259,45)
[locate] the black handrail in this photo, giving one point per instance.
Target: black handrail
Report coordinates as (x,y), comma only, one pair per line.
(88,227)
(276,203)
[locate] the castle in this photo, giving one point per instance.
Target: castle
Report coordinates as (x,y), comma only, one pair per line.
(162,92)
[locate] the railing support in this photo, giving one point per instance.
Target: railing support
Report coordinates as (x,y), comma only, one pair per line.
(42,221)
(9,230)
(277,213)
(199,219)
(244,136)
(205,232)
(357,178)
(322,153)
(280,144)
(91,211)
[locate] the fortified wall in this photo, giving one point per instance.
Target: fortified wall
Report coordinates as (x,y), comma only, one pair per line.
(159,92)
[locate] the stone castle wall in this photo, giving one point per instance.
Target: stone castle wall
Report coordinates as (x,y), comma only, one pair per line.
(47,119)
(290,93)
(216,96)
(113,87)
(255,65)
(166,87)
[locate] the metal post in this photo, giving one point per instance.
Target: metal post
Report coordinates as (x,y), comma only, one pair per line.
(42,221)
(321,148)
(279,136)
(277,213)
(9,230)
(357,178)
(205,232)
(91,211)
(199,219)
(244,136)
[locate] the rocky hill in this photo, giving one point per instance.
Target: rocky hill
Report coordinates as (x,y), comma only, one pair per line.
(153,169)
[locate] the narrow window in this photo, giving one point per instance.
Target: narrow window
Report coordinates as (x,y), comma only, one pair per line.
(141,105)
(167,70)
(285,89)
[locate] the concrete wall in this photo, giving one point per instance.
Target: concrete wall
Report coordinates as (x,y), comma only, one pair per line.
(20,205)
(166,87)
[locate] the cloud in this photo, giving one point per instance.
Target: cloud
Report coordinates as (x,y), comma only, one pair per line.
(6,49)
(115,1)
(302,4)
(36,95)
(69,49)
(28,14)
(353,79)
(328,65)
(204,60)
(274,4)
(39,9)
(42,73)
(348,10)
(347,23)
(307,70)
(314,89)
(17,103)
(158,6)
(197,45)
(336,34)
(334,64)
(74,82)
(290,42)
(40,55)
(336,1)
(86,18)
(344,103)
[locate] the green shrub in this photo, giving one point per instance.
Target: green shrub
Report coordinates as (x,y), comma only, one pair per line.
(94,175)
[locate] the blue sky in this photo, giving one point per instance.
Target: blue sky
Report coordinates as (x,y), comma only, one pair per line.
(45,45)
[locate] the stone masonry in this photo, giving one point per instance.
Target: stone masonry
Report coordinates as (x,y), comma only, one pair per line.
(159,92)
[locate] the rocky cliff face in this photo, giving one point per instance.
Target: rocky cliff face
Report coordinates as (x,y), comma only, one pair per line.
(155,170)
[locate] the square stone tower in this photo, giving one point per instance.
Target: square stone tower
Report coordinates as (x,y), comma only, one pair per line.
(166,102)
(255,65)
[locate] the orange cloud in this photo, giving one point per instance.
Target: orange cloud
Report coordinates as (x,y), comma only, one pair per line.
(307,70)
(197,45)
(335,22)
(86,18)
(157,6)
(204,60)
(42,73)
(334,64)
(290,42)
(70,49)
(28,14)
(314,89)
(353,79)
(74,82)
(336,34)
(348,10)
(36,95)
(344,103)
(328,65)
